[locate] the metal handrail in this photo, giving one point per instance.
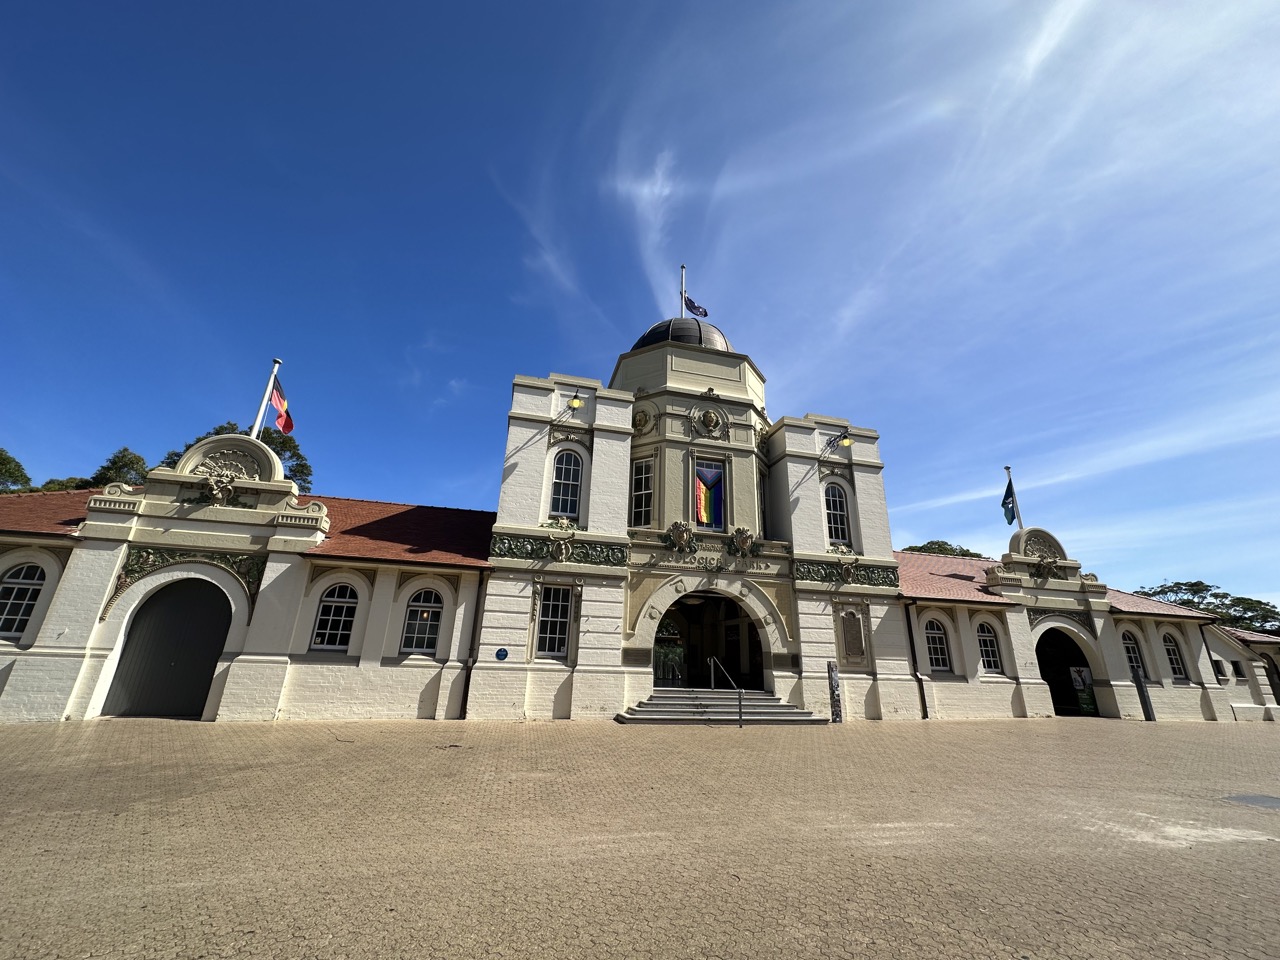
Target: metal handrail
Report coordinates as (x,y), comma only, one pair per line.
(712,662)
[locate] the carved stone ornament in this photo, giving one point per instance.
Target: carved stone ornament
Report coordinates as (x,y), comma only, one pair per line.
(644,419)
(1089,577)
(1037,614)
(679,537)
(223,468)
(141,561)
(709,422)
(578,435)
(742,543)
(561,523)
(1046,568)
(862,574)
(1039,545)
(559,550)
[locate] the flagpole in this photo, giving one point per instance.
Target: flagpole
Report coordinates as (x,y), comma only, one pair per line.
(682,291)
(266,396)
(1016,512)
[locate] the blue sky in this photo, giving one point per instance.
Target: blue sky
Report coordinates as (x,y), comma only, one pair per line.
(1037,234)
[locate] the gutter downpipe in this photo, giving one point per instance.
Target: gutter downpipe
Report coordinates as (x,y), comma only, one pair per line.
(474,653)
(911,649)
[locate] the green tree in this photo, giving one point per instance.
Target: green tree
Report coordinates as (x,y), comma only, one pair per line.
(942,548)
(296,467)
(13,479)
(67,483)
(1243,613)
(123,466)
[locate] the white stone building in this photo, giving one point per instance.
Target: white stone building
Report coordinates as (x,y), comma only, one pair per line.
(655,536)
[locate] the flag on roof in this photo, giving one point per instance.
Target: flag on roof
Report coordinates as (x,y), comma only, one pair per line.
(693,308)
(1010,512)
(284,422)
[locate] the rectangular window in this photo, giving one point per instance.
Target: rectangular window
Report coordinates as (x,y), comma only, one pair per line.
(1237,667)
(1133,653)
(935,642)
(553,621)
(642,493)
(1176,666)
(1219,668)
(708,494)
(989,648)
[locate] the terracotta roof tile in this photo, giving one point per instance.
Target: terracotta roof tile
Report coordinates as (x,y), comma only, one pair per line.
(56,512)
(1249,636)
(928,576)
(1122,602)
(405,533)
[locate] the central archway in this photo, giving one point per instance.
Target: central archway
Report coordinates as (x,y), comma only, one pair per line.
(1065,668)
(171,651)
(701,625)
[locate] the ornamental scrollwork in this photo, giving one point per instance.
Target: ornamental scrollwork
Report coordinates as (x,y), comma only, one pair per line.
(222,469)
(709,422)
(141,561)
(743,543)
(1046,568)
(865,575)
(558,550)
(679,538)
(1040,613)
(1039,545)
(561,523)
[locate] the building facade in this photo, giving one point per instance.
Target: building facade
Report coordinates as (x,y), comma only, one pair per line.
(658,532)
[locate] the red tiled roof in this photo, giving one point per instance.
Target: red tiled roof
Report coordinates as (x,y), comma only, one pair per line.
(1249,636)
(1122,602)
(372,530)
(56,512)
(928,576)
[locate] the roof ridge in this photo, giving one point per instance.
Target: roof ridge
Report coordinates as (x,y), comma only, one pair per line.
(391,503)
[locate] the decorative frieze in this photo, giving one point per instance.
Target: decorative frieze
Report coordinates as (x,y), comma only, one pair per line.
(1037,614)
(860,574)
(573,434)
(504,546)
(1043,546)
(141,561)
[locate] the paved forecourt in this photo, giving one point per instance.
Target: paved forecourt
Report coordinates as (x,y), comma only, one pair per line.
(1055,838)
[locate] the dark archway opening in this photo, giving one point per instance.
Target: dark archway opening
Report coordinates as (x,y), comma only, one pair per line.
(170,652)
(1064,667)
(700,626)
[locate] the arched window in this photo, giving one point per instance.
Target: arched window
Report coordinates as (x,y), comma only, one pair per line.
(336,616)
(935,640)
(567,486)
(1133,653)
(1174,652)
(422,622)
(837,514)
(19,591)
(989,648)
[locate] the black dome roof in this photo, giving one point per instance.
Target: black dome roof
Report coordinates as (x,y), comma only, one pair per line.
(685,330)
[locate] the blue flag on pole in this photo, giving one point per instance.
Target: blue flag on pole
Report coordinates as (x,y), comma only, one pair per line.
(1010,514)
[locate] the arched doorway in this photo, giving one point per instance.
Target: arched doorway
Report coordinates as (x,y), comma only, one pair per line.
(169,655)
(702,625)
(1065,668)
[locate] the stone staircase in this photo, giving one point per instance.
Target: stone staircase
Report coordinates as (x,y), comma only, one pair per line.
(675,705)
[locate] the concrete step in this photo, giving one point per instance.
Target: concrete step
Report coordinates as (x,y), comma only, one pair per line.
(681,705)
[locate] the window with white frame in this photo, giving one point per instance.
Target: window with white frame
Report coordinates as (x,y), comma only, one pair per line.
(567,485)
(989,648)
(1133,653)
(555,608)
(642,492)
(19,591)
(837,514)
(335,618)
(422,622)
(1174,653)
(935,641)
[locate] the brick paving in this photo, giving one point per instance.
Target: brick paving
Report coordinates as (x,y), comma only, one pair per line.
(1033,839)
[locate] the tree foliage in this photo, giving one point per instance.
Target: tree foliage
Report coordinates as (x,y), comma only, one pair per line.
(296,467)
(66,483)
(123,466)
(12,477)
(1243,613)
(942,548)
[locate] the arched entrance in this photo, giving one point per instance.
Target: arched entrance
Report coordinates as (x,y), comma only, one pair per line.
(167,663)
(702,625)
(1065,668)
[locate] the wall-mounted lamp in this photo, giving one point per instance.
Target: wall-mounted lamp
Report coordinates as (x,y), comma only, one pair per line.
(576,402)
(842,439)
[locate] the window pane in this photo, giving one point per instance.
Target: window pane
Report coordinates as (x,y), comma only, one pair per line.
(935,639)
(335,618)
(989,647)
(1133,653)
(567,485)
(422,622)
(19,591)
(837,515)
(642,493)
(553,621)
(1174,653)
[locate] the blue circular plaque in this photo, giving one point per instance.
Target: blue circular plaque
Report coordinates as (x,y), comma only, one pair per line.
(502,653)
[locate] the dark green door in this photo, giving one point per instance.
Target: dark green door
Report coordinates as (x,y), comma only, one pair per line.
(169,655)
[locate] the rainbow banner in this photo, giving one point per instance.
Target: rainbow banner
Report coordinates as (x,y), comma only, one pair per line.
(709,495)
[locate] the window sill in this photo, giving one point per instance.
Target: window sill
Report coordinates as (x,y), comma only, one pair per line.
(325,655)
(415,658)
(993,677)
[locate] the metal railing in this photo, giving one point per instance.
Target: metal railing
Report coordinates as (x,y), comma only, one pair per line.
(712,663)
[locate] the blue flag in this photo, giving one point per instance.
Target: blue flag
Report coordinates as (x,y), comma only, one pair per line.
(1009,513)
